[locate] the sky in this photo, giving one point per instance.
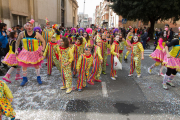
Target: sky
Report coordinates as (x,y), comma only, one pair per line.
(90,6)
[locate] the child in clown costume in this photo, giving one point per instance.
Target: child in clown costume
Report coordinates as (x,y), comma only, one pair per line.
(6,98)
(48,32)
(122,43)
(172,62)
(114,52)
(136,56)
(128,40)
(108,38)
(66,33)
(115,31)
(66,58)
(52,52)
(77,50)
(81,31)
(83,65)
(98,60)
(104,47)
(58,36)
(73,36)
(88,37)
(159,53)
(10,59)
(111,34)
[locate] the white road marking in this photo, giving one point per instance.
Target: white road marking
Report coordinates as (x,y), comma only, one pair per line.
(104,89)
(65,105)
(147,52)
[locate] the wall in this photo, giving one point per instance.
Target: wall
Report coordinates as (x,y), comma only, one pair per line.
(69,16)
(47,8)
(19,7)
(5,9)
(38,10)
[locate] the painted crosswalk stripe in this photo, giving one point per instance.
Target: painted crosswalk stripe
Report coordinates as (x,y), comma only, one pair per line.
(104,89)
(147,52)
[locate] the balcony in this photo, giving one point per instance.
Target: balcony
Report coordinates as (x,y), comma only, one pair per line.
(85,20)
(106,12)
(105,21)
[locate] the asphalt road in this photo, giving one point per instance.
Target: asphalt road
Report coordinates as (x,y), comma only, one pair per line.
(127,98)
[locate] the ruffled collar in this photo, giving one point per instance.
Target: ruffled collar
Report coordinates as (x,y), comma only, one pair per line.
(134,42)
(52,43)
(87,56)
(116,42)
(62,48)
(77,44)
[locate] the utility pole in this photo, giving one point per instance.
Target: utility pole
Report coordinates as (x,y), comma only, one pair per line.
(83,13)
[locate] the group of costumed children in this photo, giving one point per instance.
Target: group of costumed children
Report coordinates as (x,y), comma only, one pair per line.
(79,50)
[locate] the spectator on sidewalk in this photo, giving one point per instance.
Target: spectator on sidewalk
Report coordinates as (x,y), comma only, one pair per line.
(144,38)
(4,39)
(21,28)
(171,35)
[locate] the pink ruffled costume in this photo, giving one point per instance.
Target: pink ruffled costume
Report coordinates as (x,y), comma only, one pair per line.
(158,54)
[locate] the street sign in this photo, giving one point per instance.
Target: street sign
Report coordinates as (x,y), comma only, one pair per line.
(124,21)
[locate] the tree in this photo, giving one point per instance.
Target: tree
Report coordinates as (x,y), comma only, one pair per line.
(147,10)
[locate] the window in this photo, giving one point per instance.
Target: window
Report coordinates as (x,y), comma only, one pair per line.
(24,20)
(62,18)
(62,3)
(73,21)
(19,20)
(15,20)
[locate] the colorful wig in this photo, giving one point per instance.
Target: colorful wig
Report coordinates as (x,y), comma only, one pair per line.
(89,30)
(80,30)
(54,26)
(73,29)
(115,30)
(37,28)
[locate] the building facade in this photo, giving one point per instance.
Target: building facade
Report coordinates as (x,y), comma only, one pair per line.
(84,20)
(18,12)
(97,16)
(105,17)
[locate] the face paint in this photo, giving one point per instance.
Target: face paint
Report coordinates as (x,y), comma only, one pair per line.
(29,27)
(90,36)
(135,38)
(117,38)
